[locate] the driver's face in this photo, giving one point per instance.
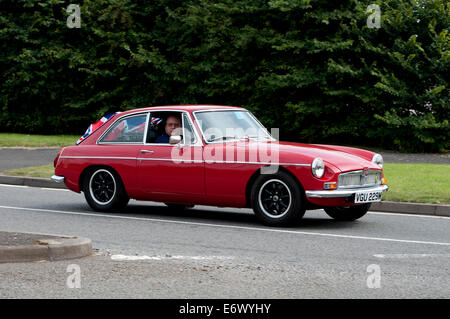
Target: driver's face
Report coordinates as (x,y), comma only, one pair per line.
(171,124)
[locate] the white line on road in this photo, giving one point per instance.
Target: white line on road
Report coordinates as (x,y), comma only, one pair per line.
(403,256)
(272,230)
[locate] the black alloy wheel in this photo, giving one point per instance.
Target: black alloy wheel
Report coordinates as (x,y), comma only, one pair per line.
(104,190)
(277,199)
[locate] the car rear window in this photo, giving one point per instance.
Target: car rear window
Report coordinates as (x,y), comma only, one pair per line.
(127,130)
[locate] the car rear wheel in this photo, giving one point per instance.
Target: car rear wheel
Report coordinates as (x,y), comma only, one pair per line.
(277,199)
(347,213)
(104,190)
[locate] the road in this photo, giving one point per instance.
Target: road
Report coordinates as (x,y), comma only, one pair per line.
(208,252)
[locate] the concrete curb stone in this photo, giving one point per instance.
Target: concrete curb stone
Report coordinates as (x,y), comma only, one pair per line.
(384,206)
(46,248)
(412,208)
(30,181)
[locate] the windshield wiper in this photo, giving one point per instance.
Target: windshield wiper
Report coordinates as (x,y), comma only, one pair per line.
(221,138)
(247,137)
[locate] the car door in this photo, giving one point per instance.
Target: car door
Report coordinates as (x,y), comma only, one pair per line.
(172,173)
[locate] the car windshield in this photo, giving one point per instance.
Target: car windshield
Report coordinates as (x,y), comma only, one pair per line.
(223,126)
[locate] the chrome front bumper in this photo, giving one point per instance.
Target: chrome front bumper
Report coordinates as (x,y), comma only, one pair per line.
(58,179)
(344,192)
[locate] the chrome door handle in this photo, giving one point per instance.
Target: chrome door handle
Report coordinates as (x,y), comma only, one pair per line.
(146,151)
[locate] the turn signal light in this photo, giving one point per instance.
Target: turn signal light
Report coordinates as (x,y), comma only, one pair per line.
(329,185)
(384,181)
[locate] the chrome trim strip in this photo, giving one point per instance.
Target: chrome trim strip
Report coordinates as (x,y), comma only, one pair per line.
(58,179)
(169,160)
(146,126)
(187,160)
(343,193)
(256,163)
(101,157)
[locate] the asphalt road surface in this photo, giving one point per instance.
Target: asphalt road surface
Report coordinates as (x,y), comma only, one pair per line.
(148,251)
(12,158)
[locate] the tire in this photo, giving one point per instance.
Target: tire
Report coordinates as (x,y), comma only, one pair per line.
(277,199)
(104,190)
(347,213)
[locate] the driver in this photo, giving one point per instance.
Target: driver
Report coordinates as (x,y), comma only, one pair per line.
(172,123)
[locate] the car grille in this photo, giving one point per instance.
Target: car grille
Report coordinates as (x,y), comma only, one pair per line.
(362,178)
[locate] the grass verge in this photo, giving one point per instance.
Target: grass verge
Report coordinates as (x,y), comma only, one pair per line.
(25,140)
(45,171)
(419,183)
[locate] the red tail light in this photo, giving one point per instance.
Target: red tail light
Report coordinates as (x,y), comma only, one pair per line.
(55,161)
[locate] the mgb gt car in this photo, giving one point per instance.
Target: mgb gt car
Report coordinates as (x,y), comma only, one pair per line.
(218,156)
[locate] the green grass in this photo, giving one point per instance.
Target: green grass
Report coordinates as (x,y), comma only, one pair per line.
(420,183)
(45,171)
(25,140)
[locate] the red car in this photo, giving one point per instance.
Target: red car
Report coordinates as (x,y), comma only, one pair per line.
(217,156)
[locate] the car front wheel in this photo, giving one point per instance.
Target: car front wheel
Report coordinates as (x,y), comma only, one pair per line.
(277,199)
(104,190)
(347,213)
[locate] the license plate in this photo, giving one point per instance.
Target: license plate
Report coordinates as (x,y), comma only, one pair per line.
(368,197)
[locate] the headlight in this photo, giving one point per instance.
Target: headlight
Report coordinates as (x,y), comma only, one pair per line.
(378,159)
(318,167)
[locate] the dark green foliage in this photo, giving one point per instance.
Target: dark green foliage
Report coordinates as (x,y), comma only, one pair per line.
(312,68)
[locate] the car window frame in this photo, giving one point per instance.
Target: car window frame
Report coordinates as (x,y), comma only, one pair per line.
(198,140)
(113,125)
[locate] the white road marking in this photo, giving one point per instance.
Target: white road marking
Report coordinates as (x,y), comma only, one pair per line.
(137,258)
(272,230)
(401,256)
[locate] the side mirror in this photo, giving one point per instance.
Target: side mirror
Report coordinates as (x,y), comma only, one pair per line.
(174,139)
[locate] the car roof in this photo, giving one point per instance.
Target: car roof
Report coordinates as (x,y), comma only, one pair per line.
(188,107)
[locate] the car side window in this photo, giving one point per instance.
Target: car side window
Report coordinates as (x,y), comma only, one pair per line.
(189,136)
(157,130)
(128,130)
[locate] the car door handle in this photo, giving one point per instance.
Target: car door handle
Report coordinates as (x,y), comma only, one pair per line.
(146,151)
